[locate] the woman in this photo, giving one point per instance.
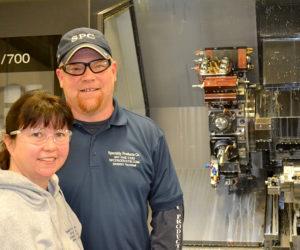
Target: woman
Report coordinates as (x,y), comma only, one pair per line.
(33,211)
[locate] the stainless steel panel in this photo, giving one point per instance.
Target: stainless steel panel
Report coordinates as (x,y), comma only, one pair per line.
(210,215)
(187,132)
(171,31)
(128,89)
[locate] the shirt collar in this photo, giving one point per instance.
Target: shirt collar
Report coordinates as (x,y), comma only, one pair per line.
(118,117)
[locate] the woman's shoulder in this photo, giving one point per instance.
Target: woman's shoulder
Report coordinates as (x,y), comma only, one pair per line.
(12,205)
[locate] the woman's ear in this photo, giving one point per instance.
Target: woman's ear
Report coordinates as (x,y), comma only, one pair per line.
(9,143)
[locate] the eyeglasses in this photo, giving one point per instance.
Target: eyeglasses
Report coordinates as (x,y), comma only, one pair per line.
(78,68)
(39,136)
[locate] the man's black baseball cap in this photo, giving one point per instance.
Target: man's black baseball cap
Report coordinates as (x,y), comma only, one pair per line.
(79,38)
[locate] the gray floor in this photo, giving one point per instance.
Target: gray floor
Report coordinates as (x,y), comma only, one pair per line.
(219,248)
(215,215)
(218,216)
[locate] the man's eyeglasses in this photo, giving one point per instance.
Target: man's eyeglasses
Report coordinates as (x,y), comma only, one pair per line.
(39,136)
(78,68)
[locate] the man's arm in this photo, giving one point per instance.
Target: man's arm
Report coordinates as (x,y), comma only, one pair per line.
(167,229)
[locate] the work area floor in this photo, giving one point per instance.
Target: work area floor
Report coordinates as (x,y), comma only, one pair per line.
(221,248)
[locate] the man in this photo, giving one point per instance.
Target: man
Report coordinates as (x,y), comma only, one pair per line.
(119,161)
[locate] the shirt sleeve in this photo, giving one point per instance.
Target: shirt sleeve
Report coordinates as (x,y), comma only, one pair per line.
(167,229)
(165,190)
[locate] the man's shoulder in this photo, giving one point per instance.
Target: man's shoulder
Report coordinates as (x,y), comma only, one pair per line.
(138,118)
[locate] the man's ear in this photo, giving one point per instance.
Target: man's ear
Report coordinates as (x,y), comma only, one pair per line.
(59,76)
(114,66)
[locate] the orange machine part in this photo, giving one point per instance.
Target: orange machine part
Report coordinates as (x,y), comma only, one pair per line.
(242,57)
(220,97)
(213,84)
(209,53)
(220,89)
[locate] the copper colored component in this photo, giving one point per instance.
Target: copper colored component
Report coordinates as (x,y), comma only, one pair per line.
(220,83)
(220,97)
(220,89)
(209,53)
(242,58)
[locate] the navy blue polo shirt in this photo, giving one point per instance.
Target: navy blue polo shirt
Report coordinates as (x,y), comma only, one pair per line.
(111,175)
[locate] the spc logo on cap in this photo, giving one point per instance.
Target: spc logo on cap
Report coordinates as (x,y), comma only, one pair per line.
(79,38)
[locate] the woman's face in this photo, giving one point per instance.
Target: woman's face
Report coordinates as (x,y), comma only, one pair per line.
(34,159)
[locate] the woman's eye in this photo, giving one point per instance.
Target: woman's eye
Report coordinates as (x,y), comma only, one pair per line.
(37,134)
(60,134)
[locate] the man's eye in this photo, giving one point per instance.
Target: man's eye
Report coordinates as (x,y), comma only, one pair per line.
(98,66)
(74,68)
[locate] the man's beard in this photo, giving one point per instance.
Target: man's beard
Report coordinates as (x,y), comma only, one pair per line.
(89,105)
